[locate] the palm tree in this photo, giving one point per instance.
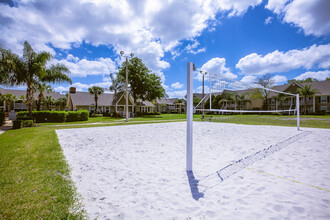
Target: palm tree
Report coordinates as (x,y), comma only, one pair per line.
(9,98)
(307,91)
(96,91)
(116,86)
(42,87)
(281,97)
(61,102)
(49,101)
(23,98)
(31,70)
(229,97)
(241,98)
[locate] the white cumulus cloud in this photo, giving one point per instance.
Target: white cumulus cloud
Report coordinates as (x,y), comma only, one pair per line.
(311,15)
(84,67)
(177,85)
(147,28)
(217,66)
(319,75)
(278,79)
(277,61)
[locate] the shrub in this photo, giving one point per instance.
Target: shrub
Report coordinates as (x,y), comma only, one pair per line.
(17,124)
(84,114)
(27,123)
(107,114)
(24,115)
(2,117)
(147,113)
(49,116)
(96,115)
(81,115)
(72,116)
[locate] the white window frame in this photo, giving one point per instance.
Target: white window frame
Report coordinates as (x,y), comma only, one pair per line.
(326,99)
(324,108)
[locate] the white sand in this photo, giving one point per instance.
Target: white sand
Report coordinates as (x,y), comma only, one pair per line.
(138,172)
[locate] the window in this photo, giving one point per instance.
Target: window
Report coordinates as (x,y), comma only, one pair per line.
(324,108)
(324,99)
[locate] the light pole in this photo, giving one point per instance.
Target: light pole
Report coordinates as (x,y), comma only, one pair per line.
(126,97)
(203,93)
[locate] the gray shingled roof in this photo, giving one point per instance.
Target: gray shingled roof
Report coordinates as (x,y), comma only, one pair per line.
(86,99)
(18,93)
(145,103)
(105,99)
(168,101)
(322,86)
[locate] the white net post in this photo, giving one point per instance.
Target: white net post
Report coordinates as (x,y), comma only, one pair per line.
(190,71)
(210,91)
(297,107)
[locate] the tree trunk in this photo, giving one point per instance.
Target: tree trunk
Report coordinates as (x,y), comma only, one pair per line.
(95,98)
(39,101)
(30,97)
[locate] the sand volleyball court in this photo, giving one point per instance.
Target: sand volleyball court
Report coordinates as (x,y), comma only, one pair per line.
(138,171)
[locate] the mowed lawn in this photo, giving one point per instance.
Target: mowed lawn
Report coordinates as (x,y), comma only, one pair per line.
(34,176)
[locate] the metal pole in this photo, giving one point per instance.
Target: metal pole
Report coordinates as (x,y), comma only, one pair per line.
(297,106)
(203,99)
(189,152)
(126,89)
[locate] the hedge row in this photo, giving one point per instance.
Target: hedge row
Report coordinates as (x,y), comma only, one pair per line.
(17,124)
(2,117)
(54,116)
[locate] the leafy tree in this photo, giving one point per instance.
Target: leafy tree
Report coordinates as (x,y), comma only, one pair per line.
(96,91)
(327,79)
(196,100)
(216,101)
(7,76)
(144,85)
(307,91)
(31,70)
(42,87)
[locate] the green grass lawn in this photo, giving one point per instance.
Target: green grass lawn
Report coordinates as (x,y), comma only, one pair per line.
(34,176)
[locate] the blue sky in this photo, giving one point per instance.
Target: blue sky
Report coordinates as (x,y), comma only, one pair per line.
(241,40)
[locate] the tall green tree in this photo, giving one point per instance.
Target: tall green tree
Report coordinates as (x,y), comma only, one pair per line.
(42,88)
(31,70)
(96,91)
(144,84)
(307,91)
